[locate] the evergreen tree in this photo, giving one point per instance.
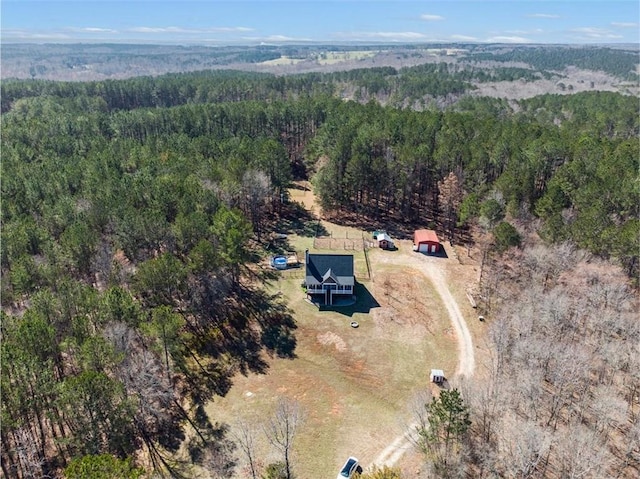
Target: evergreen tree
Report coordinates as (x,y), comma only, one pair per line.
(103,466)
(505,236)
(448,423)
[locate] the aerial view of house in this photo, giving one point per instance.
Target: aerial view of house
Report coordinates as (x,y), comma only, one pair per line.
(328,276)
(191,194)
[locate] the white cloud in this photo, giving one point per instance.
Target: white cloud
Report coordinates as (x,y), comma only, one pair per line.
(98,30)
(285,38)
(157,30)
(404,35)
(624,24)
(25,35)
(543,15)
(189,30)
(229,29)
(277,38)
(392,36)
(594,33)
(93,30)
(589,30)
(507,39)
(464,38)
(431,18)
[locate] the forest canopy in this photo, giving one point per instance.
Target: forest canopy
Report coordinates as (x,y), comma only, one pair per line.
(133,210)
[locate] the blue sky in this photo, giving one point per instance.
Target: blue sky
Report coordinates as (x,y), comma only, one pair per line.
(216,22)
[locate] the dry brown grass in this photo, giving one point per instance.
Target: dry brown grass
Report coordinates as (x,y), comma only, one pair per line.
(354,384)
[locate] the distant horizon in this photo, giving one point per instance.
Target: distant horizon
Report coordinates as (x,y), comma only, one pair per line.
(626,46)
(336,22)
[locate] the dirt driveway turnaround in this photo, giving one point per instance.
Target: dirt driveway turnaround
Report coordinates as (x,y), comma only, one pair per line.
(428,266)
(432,268)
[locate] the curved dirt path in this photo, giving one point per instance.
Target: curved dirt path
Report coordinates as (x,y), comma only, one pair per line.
(466,363)
(432,268)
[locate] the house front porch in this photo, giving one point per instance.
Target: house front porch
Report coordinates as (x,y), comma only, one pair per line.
(320,300)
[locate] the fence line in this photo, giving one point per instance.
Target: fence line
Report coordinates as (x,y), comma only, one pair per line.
(348,244)
(366,257)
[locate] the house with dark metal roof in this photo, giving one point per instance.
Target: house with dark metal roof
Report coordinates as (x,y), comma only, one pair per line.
(329,276)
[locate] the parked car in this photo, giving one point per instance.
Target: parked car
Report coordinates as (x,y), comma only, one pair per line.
(348,469)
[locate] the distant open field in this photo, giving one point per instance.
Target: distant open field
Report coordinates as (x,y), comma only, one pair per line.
(330,58)
(283,60)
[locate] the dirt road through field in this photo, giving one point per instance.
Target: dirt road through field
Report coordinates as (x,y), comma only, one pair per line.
(432,268)
(437,270)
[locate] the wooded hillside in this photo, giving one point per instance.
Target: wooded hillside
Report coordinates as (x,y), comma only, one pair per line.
(133,213)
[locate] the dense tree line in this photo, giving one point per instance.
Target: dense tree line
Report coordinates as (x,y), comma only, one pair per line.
(170,90)
(125,242)
(617,62)
(557,158)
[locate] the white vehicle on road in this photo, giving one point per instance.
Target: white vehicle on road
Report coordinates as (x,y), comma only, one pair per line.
(348,469)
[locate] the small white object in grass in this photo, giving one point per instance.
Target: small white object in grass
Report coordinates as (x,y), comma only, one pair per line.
(248,394)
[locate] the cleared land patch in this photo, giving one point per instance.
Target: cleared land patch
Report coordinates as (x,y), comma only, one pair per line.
(330,58)
(283,60)
(354,384)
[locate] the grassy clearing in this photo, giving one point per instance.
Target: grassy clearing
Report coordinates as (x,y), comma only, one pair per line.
(283,60)
(354,384)
(330,58)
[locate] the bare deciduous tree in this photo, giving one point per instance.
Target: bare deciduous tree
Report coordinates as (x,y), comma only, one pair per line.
(281,429)
(525,446)
(561,393)
(581,453)
(419,418)
(245,438)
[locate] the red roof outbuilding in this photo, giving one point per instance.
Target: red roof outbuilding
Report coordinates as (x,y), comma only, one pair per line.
(426,241)
(424,236)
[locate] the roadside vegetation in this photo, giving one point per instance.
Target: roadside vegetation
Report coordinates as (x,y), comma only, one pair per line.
(135,215)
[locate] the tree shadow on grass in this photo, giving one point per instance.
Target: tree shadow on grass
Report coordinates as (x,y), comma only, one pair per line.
(276,323)
(297,219)
(211,447)
(230,333)
(365,302)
